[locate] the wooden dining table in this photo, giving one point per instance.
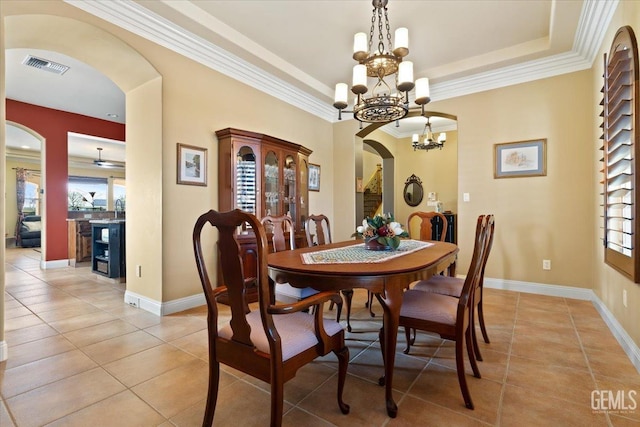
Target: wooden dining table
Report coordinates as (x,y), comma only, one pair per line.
(387,280)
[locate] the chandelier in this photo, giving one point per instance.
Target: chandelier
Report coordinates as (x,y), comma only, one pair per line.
(383,64)
(428,143)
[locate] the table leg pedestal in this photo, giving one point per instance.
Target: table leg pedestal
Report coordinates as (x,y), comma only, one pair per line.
(391,303)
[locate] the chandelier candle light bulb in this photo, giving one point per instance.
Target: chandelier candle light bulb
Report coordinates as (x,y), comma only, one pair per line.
(359,79)
(360,47)
(422,91)
(401,42)
(341,95)
(405,76)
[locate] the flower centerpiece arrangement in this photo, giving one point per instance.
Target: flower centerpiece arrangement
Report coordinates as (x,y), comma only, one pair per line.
(381,232)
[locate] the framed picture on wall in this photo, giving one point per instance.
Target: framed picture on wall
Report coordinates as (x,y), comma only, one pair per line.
(192,165)
(520,159)
(314,177)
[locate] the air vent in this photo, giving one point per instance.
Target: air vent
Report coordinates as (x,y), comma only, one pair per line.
(44,64)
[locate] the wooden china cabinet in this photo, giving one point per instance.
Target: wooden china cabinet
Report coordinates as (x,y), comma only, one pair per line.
(262,175)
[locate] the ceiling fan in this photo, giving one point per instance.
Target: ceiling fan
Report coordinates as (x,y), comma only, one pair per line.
(106,163)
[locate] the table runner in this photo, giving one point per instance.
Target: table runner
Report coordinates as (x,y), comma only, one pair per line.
(358,254)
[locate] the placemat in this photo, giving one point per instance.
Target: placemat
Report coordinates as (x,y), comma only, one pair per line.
(358,254)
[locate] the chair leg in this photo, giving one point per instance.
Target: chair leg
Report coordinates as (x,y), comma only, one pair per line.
(348,296)
(407,333)
(481,320)
(461,375)
(470,351)
(277,399)
(338,311)
(343,362)
(331,305)
(474,337)
(369,303)
(212,393)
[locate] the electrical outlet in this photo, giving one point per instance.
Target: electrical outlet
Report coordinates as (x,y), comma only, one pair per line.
(624,297)
(546,264)
(138,271)
(465,197)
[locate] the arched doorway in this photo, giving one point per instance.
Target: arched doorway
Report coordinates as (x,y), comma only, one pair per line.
(400,160)
(142,85)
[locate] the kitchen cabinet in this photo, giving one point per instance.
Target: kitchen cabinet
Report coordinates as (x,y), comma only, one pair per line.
(79,238)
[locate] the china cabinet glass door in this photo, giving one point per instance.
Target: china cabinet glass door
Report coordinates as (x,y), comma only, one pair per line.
(246,180)
(304,184)
(271,185)
(290,186)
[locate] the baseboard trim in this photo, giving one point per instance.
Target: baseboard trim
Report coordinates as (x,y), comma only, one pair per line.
(541,289)
(163,308)
(140,301)
(183,304)
(58,263)
(4,351)
(628,345)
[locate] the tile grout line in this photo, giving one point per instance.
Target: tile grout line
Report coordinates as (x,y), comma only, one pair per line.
(506,371)
(98,364)
(586,359)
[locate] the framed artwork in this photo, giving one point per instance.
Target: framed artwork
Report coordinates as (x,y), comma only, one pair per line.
(520,159)
(314,177)
(192,165)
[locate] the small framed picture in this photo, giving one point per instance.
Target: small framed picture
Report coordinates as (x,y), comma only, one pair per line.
(520,159)
(192,165)
(314,177)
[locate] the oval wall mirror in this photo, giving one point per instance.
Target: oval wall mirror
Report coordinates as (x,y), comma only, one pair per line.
(413,192)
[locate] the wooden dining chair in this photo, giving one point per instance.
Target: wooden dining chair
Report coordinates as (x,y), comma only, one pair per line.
(452,286)
(318,232)
(448,316)
(278,226)
(272,341)
(426,225)
(425,233)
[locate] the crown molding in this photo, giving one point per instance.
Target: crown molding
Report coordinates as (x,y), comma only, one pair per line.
(127,14)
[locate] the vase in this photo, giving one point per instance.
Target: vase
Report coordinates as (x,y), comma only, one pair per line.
(374,245)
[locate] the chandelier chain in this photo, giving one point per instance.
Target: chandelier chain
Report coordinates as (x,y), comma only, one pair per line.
(373,27)
(388,28)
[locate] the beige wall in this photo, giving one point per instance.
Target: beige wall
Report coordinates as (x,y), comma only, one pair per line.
(370,162)
(608,283)
(553,217)
(437,169)
(538,217)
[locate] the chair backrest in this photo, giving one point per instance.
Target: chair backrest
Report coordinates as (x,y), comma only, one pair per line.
(488,246)
(278,226)
(228,224)
(472,281)
(426,225)
(318,226)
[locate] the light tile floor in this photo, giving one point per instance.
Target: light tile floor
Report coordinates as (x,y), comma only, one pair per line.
(79,356)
